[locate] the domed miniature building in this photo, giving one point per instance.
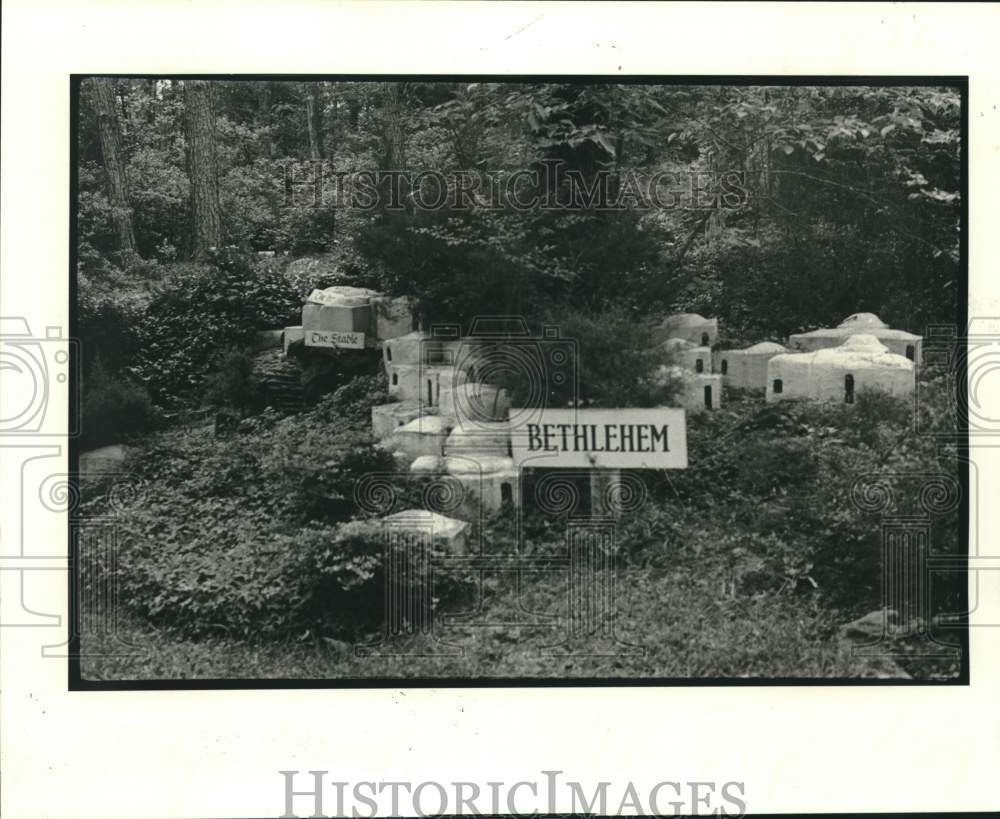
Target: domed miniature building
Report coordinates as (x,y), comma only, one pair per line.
(746,369)
(688,355)
(688,326)
(839,373)
(896,341)
(425,435)
(489,481)
(696,391)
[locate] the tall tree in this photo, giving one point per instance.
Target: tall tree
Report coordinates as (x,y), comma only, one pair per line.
(264,119)
(202,166)
(314,121)
(393,135)
(109,133)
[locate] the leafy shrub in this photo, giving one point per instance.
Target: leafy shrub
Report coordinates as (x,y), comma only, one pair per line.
(106,327)
(316,471)
(352,402)
(880,416)
(232,383)
(113,408)
(204,309)
(313,272)
(254,533)
(615,360)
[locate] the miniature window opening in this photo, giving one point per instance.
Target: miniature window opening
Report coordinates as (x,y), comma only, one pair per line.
(776,386)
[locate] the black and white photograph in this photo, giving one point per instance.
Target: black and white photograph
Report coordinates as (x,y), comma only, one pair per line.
(498,409)
(400,380)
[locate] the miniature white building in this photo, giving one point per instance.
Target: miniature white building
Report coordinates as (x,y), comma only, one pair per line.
(290,335)
(445,533)
(387,418)
(346,309)
(408,349)
(688,326)
(695,391)
(489,481)
(428,464)
(340,309)
(838,373)
(896,341)
(475,402)
(746,369)
(690,356)
(703,391)
(473,440)
(404,382)
(425,435)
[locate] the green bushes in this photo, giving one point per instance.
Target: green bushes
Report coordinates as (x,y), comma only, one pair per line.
(222,571)
(233,385)
(768,500)
(616,361)
(113,409)
(204,309)
(244,534)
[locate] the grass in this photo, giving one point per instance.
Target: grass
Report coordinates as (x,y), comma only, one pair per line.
(671,626)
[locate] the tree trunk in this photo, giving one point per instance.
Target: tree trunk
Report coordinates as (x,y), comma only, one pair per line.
(392,133)
(264,119)
(199,123)
(114,168)
(313,121)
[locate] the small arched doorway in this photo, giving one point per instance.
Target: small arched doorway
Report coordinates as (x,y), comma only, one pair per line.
(848,389)
(704,339)
(699,366)
(708,397)
(910,352)
(725,367)
(506,493)
(777,386)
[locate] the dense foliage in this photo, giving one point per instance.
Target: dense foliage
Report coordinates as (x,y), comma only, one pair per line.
(766,509)
(203,310)
(837,198)
(774,209)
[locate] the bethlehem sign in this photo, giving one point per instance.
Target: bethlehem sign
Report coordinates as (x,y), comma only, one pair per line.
(605,438)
